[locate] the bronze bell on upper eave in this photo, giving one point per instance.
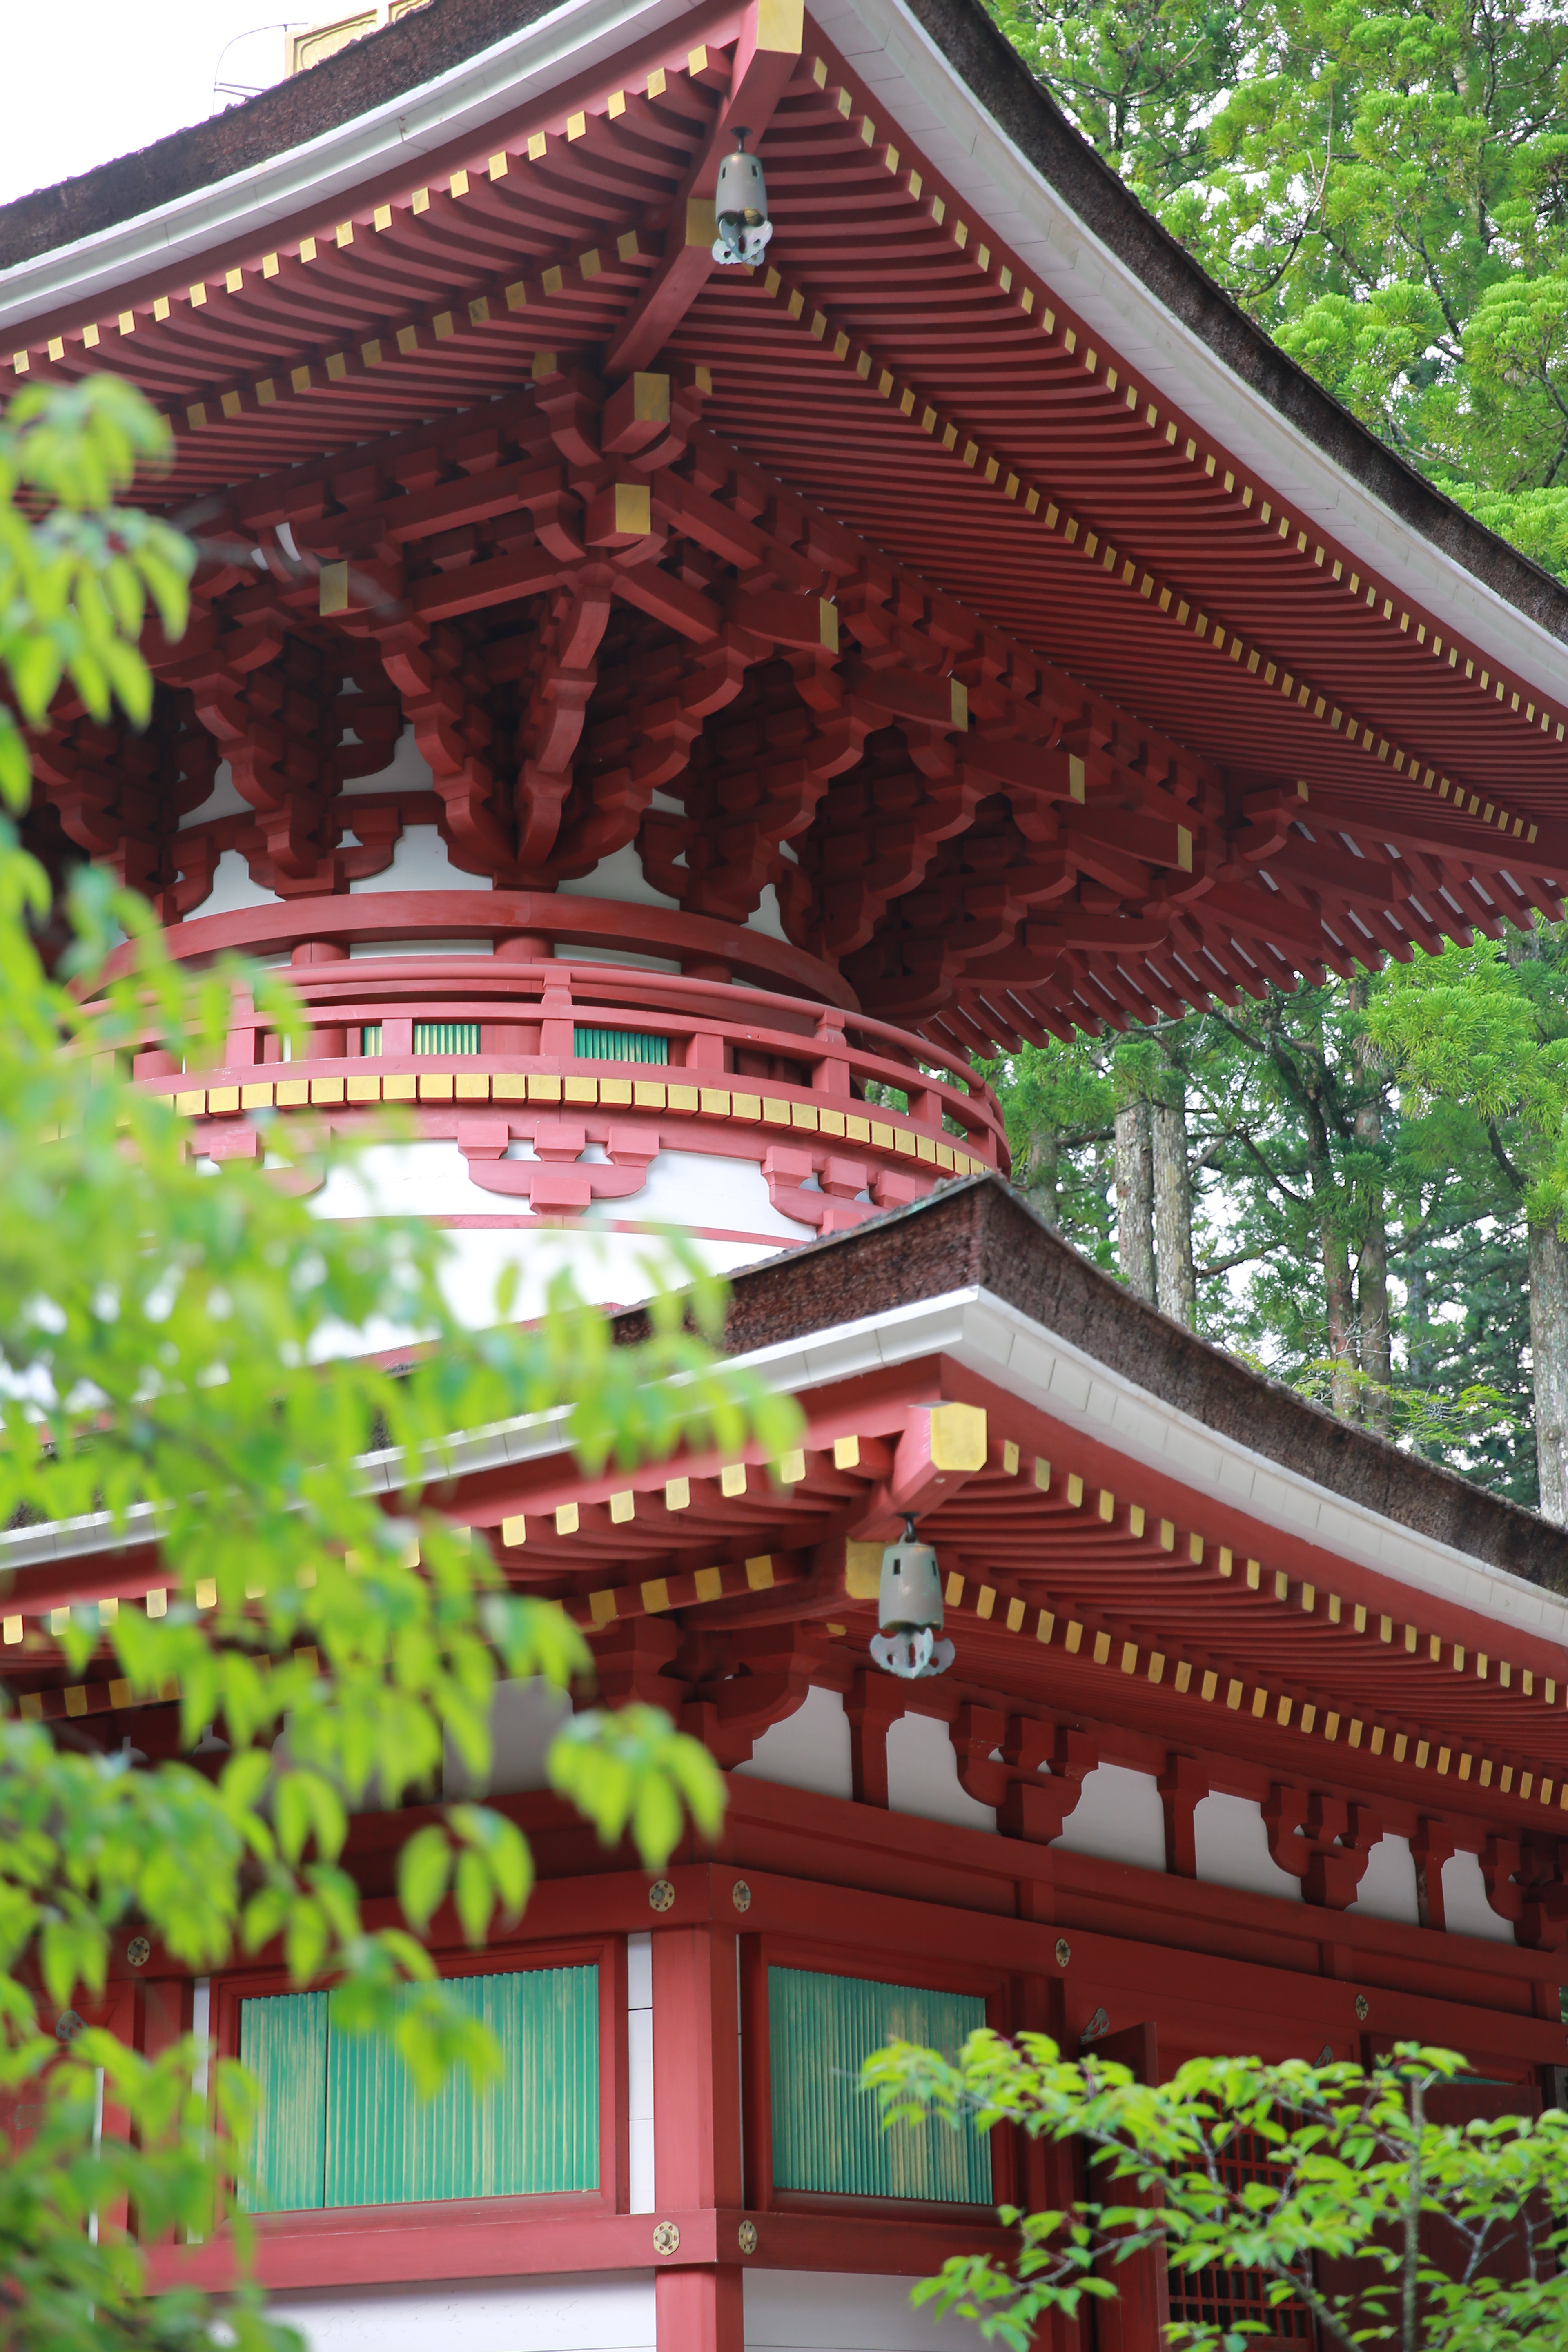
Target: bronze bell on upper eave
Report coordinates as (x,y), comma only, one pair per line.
(740,208)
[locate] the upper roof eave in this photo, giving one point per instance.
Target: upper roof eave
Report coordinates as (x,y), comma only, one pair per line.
(417,85)
(948,76)
(1154,303)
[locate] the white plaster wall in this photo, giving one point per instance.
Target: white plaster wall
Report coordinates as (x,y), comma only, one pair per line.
(424,1178)
(233,890)
(1233,1848)
(698,1188)
(828,2311)
(1118,1816)
(430,1177)
(809,1749)
(1466,1909)
(619,877)
(524,1718)
(611,1267)
(639,2071)
(766,916)
(407,771)
(419,862)
(1388,1890)
(226,799)
(577,2312)
(923,1776)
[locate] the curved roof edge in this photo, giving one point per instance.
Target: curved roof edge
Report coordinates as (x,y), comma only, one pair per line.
(976,1232)
(1030,117)
(370,73)
(467,60)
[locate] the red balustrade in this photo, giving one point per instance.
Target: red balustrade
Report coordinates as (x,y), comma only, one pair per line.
(803,1088)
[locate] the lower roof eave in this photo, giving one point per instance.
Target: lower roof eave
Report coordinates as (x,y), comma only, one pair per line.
(1156,1392)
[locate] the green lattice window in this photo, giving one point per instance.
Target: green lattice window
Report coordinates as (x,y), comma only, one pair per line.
(618,1046)
(827,2133)
(446,1036)
(370,1037)
(339,2123)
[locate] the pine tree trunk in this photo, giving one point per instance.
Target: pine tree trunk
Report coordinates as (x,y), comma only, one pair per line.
(1135,1197)
(1339,1297)
(1374,1336)
(1176,1283)
(1373,1341)
(1549,1356)
(1339,1289)
(1418,1330)
(1041,1166)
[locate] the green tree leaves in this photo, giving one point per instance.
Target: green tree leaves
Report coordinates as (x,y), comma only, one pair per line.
(178,1369)
(1350,2159)
(75,586)
(633,1771)
(1383,188)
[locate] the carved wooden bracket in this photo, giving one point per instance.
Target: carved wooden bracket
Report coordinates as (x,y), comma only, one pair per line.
(939,1449)
(775,1666)
(1524,1885)
(833,1208)
(1430,1848)
(1184,1784)
(1033,1773)
(634,1663)
(558,1178)
(1322,1840)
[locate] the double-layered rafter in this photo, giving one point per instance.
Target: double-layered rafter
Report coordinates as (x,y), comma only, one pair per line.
(1204,748)
(723,1587)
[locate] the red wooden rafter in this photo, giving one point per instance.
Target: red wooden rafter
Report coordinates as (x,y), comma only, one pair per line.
(588,600)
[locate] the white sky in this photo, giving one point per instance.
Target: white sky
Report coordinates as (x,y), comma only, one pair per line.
(102,78)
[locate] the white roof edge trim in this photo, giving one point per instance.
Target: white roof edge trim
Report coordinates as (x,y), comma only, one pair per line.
(523,66)
(897,57)
(1000,1344)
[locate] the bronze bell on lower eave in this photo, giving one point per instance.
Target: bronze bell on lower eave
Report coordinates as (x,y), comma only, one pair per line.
(910,1612)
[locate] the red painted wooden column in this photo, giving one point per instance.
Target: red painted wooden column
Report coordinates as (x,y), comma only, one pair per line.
(696,2127)
(1137,2320)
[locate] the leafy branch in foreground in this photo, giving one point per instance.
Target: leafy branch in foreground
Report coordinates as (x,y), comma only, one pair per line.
(185,1367)
(1233,2165)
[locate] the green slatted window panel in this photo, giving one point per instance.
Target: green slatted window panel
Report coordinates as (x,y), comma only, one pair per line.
(446,1036)
(340,2123)
(283,2041)
(618,1046)
(370,1037)
(535,2130)
(827,2133)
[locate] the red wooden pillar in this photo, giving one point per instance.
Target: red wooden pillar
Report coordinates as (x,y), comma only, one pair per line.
(699,2311)
(696,2128)
(1137,2320)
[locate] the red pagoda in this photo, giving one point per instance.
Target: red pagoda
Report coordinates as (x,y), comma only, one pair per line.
(741,570)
